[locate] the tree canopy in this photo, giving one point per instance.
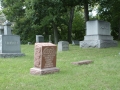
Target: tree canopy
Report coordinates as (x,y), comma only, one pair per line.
(109,11)
(63,19)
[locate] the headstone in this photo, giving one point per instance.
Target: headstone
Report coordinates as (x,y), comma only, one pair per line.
(98,35)
(39,38)
(50,39)
(63,46)
(9,44)
(44,59)
(75,42)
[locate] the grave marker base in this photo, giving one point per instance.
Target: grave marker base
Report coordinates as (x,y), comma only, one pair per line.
(98,43)
(39,71)
(7,55)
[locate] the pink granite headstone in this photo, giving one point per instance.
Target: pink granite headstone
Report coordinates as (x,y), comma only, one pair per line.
(44,59)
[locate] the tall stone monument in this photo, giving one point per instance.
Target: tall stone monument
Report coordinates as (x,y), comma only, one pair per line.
(98,35)
(44,59)
(9,44)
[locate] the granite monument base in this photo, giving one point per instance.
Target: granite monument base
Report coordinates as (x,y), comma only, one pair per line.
(39,71)
(98,43)
(8,55)
(98,37)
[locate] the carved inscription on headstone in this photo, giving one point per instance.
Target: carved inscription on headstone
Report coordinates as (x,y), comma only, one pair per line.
(49,54)
(104,28)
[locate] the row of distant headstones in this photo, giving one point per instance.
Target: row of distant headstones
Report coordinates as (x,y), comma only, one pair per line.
(62,45)
(40,38)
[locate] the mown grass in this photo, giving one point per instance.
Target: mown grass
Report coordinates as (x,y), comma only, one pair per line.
(103,74)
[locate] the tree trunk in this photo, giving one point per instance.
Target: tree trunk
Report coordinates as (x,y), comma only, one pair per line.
(119,30)
(55,33)
(86,12)
(70,24)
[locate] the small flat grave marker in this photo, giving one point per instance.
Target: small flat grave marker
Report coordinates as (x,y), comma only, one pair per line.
(82,62)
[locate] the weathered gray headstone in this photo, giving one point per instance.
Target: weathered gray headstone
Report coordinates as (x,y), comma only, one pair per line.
(39,38)
(98,35)
(63,46)
(75,42)
(9,44)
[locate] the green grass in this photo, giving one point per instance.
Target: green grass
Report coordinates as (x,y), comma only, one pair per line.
(103,74)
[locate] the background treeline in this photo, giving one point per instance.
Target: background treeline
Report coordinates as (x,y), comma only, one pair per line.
(63,19)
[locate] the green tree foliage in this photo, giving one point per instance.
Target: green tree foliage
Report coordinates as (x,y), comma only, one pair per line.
(78,26)
(109,11)
(45,17)
(70,6)
(46,13)
(13,9)
(15,12)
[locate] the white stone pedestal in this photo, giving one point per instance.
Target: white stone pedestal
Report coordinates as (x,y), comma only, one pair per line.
(39,71)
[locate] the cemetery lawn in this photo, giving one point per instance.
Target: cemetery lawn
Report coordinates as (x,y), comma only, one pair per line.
(103,74)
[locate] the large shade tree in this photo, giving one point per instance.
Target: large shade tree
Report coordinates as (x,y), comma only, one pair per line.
(46,13)
(70,6)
